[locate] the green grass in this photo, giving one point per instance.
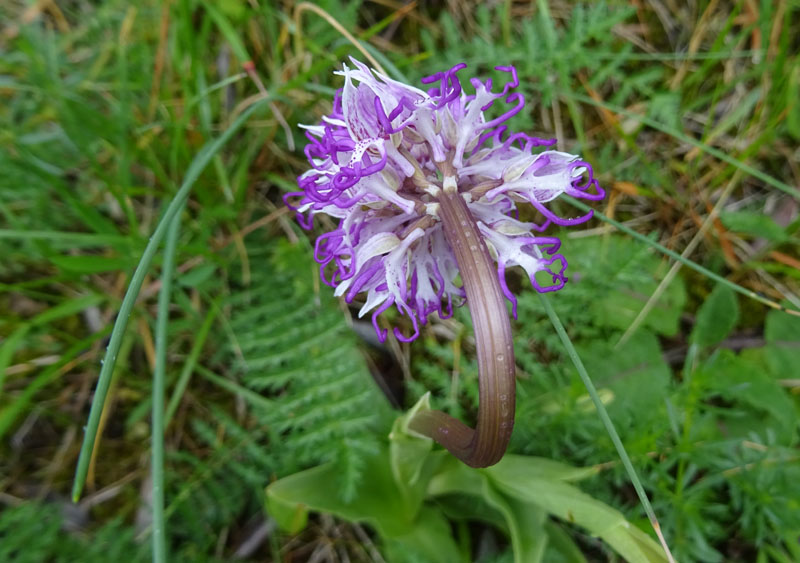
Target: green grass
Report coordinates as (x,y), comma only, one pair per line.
(118,120)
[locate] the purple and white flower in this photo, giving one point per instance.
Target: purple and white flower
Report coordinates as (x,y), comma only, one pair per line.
(380,163)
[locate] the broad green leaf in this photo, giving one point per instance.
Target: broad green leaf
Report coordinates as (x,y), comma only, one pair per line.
(410,457)
(716,318)
(68,308)
(637,376)
(92,264)
(471,508)
(625,274)
(378,501)
(409,449)
(562,500)
(429,540)
(455,477)
(633,544)
(196,276)
(525,522)
(572,505)
(290,515)
(561,548)
(516,467)
(515,493)
(782,333)
(755,224)
(744,380)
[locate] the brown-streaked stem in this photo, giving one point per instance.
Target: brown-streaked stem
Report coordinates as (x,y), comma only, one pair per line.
(487,442)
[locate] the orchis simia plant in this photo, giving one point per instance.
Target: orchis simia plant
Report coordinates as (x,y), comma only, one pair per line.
(425,188)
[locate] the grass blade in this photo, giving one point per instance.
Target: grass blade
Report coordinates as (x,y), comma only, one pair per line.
(199,163)
(72,356)
(744,167)
(66,238)
(159,540)
(676,266)
(612,432)
(685,261)
(191,362)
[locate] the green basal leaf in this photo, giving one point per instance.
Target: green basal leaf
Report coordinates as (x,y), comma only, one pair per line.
(633,544)
(561,548)
(377,501)
(525,523)
(453,478)
(429,540)
(410,456)
(472,508)
(410,529)
(408,448)
(516,496)
(572,505)
(522,521)
(562,500)
(716,318)
(524,490)
(516,467)
(290,515)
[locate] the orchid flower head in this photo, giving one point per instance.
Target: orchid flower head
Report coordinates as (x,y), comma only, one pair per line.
(379,163)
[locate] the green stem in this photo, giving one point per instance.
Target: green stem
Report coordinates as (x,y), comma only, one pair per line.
(159,538)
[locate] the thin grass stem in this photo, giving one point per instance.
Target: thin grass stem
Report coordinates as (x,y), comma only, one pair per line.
(685,261)
(189,364)
(676,266)
(601,411)
(159,536)
(298,13)
(682,137)
(199,163)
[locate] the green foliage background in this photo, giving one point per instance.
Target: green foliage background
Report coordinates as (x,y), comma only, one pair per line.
(104,105)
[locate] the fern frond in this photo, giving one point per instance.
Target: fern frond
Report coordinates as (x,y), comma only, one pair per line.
(295,343)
